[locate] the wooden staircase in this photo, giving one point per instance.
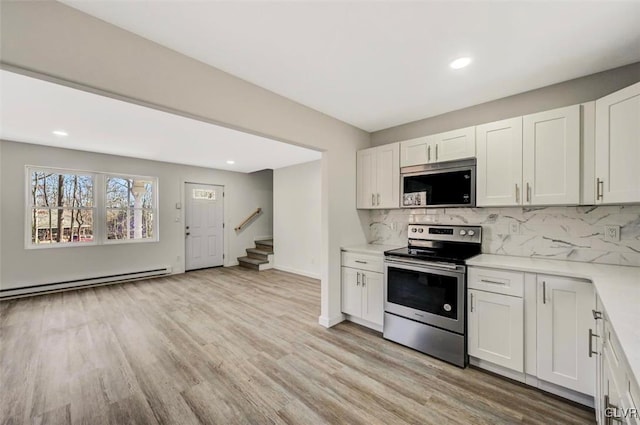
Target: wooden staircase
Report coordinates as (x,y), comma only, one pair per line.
(260,257)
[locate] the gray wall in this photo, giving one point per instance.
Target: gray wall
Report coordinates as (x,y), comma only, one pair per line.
(22,267)
(296,218)
(63,44)
(567,93)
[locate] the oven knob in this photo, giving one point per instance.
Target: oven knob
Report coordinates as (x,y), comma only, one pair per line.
(463,232)
(471,233)
(420,230)
(413,229)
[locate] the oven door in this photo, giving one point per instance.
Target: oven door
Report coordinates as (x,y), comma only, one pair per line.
(431,295)
(451,187)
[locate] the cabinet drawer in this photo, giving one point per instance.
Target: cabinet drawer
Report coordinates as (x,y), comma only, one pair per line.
(497,281)
(363,261)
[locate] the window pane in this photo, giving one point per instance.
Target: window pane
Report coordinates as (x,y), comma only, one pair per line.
(129,192)
(66,190)
(77,226)
(204,194)
(129,223)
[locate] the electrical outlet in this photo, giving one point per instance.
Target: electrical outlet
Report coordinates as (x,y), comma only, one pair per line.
(514,228)
(611,233)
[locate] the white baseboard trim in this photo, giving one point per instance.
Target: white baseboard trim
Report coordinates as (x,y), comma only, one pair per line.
(328,323)
(364,323)
(533,381)
(497,369)
(296,271)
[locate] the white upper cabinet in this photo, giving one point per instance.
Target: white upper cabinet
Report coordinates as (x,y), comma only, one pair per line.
(551,157)
(378,177)
(415,152)
(452,145)
(530,160)
(618,146)
(499,168)
(448,146)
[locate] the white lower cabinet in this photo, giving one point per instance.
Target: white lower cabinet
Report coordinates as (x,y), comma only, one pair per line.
(362,295)
(363,289)
(564,310)
(533,328)
(496,330)
(617,391)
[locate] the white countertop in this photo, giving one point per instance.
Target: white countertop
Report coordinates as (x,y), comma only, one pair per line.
(617,286)
(371,248)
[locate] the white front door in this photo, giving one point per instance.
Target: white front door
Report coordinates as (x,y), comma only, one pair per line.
(203,226)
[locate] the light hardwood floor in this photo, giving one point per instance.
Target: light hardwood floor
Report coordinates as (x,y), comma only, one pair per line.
(233,346)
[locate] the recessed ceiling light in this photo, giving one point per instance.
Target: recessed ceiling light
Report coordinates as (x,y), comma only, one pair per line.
(60,133)
(460,62)
(231,162)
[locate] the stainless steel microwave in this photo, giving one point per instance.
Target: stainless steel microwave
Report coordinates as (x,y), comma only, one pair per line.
(446,184)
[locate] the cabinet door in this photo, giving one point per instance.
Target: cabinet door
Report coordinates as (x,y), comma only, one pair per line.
(415,152)
(618,146)
(452,145)
(373,297)
(351,291)
(499,173)
(598,345)
(551,152)
(387,176)
(564,319)
(611,394)
(365,169)
(496,329)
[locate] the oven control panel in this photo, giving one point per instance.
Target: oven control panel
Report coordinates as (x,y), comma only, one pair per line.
(471,234)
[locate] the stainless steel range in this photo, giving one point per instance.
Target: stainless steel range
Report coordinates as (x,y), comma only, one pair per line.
(425,290)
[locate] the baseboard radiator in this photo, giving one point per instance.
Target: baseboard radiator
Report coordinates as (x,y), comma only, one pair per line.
(81,283)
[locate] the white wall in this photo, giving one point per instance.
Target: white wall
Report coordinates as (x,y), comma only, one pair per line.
(59,43)
(296,218)
(22,267)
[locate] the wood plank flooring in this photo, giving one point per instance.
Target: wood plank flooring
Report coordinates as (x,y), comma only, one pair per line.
(232,346)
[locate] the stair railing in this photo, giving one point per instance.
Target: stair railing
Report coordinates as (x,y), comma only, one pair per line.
(248,220)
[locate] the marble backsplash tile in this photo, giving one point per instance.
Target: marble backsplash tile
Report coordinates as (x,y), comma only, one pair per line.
(568,233)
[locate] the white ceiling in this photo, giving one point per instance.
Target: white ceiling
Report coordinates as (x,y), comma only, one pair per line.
(380,64)
(30,109)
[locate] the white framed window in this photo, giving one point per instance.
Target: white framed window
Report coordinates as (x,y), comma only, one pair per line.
(61,208)
(130,208)
(90,208)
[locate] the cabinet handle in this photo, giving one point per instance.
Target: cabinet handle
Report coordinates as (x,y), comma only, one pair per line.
(361,262)
(599,188)
(373,199)
(528,193)
(429,153)
(610,410)
(544,292)
(472,302)
(364,281)
(436,152)
(492,281)
(378,203)
(358,280)
(517,194)
(591,335)
(597,315)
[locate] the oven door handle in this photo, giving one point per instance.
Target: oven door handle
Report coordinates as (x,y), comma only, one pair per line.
(426,264)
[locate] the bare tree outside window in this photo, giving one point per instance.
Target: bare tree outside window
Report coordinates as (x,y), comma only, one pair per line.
(130,208)
(61,209)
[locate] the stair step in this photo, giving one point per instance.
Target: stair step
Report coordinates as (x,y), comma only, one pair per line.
(259,252)
(252,260)
(265,242)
